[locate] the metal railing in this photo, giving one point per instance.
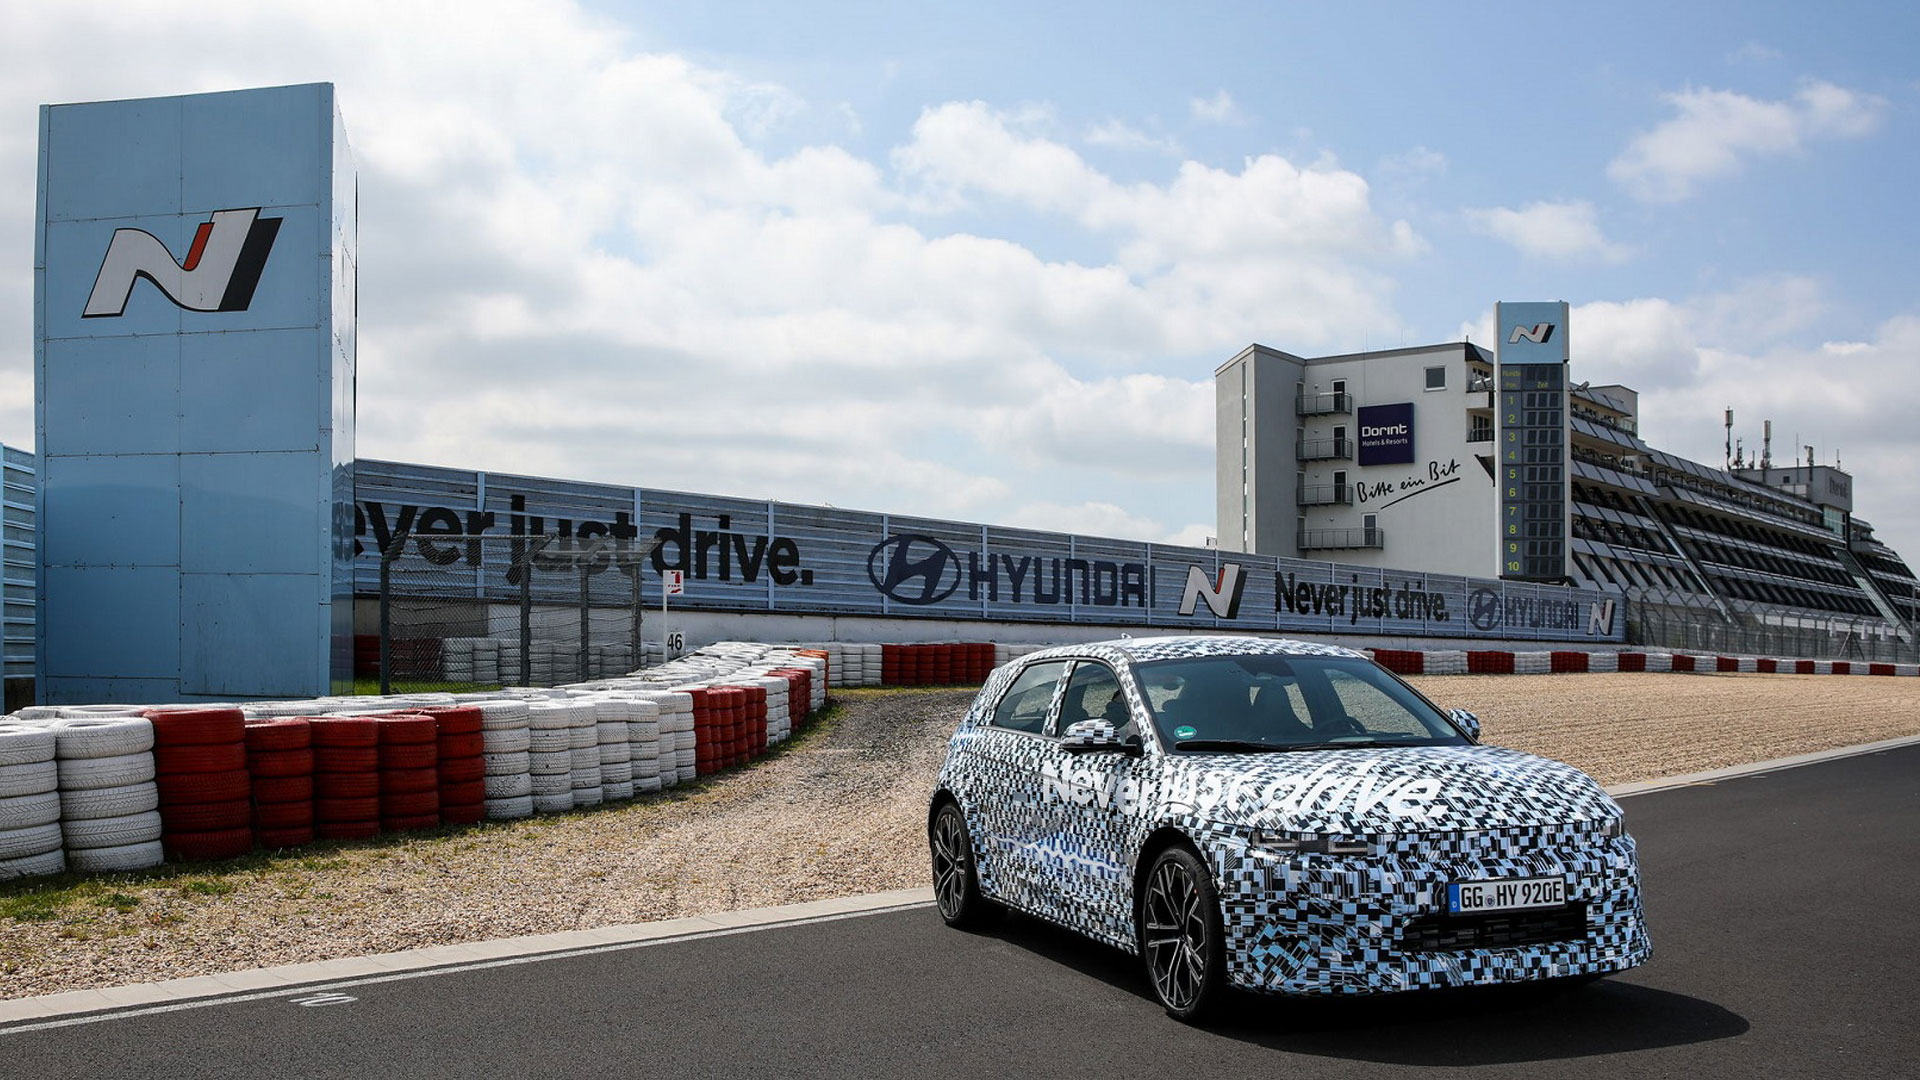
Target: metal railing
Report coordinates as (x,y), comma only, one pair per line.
(1330,539)
(1325,495)
(1324,449)
(1322,403)
(1683,625)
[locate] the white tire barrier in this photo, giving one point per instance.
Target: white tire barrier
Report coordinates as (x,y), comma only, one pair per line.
(49,862)
(28,811)
(96,737)
(85,774)
(25,744)
(29,779)
(510,786)
(117,860)
(510,808)
(32,840)
(112,832)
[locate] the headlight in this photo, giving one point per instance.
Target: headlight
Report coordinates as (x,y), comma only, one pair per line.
(1615,827)
(1278,842)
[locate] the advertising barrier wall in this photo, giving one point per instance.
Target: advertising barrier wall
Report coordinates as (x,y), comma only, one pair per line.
(749,555)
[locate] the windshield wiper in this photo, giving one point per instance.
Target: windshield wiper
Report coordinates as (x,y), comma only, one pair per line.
(1229,744)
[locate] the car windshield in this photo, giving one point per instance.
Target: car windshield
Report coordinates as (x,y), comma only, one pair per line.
(1274,703)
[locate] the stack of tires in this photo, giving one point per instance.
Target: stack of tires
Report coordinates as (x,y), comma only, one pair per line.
(206,794)
(676,709)
(584,743)
(643,740)
(612,720)
(409,755)
(280,760)
(30,806)
(504,739)
(462,764)
(550,760)
(108,804)
(346,777)
(706,729)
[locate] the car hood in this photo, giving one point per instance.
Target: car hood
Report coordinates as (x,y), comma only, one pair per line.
(1371,791)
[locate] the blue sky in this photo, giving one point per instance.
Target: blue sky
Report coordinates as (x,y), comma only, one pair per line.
(979,261)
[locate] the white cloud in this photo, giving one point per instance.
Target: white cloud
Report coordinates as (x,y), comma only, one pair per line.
(1104,519)
(1550,230)
(1218,109)
(1714,132)
(1119,135)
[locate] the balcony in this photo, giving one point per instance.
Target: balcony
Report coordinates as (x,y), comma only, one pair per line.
(1324,449)
(1332,539)
(1323,403)
(1325,495)
(1480,430)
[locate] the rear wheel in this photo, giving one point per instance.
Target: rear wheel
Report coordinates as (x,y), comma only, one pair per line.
(1181,940)
(956,884)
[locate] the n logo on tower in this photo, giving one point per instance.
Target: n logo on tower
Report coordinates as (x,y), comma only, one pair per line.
(1538,334)
(220,272)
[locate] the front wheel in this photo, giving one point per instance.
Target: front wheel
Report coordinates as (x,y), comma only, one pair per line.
(1181,940)
(956,884)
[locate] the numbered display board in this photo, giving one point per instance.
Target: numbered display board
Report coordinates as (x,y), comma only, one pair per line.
(1531,417)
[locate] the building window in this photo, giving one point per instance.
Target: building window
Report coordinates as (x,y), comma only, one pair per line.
(1436,378)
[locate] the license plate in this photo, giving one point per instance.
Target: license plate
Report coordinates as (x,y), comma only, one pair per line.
(1513,894)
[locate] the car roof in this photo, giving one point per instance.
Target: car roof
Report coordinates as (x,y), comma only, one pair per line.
(1189,646)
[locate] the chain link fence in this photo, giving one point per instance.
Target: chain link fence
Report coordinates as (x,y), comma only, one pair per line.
(479,612)
(1686,622)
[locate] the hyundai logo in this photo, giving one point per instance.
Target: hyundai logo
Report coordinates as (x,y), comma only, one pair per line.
(1483,609)
(917,570)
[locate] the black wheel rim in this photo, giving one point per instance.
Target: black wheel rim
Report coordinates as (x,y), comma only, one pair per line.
(1176,935)
(950,867)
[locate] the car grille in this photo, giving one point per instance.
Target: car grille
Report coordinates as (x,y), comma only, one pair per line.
(1494,930)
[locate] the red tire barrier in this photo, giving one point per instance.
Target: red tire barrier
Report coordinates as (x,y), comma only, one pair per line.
(1489,663)
(347,785)
(1682,662)
(1768,666)
(197,727)
(200,846)
(1568,661)
(410,804)
(402,781)
(270,763)
(408,756)
(1726,663)
(461,746)
(455,719)
(344,731)
(200,758)
(290,733)
(346,830)
(407,729)
(1841,667)
(345,759)
(347,810)
(209,817)
(463,793)
(282,789)
(1633,661)
(461,770)
(286,815)
(180,789)
(466,814)
(1880,669)
(1401,661)
(295,836)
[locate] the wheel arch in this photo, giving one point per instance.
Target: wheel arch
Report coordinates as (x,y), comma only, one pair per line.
(1157,841)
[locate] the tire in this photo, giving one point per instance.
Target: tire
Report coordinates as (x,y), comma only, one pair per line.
(198,727)
(270,763)
(397,781)
(503,715)
(207,817)
(409,804)
(293,836)
(510,808)
(274,735)
(29,778)
(51,862)
(268,817)
(32,840)
(25,744)
(203,846)
(345,759)
(98,738)
(330,811)
(116,860)
(183,788)
(269,790)
(466,744)
(200,758)
(461,770)
(341,785)
(460,793)
(410,730)
(618,792)
(464,814)
(510,786)
(553,804)
(956,879)
(559,763)
(507,741)
(109,802)
(508,763)
(408,756)
(111,832)
(357,732)
(26,811)
(1181,942)
(550,740)
(87,774)
(456,720)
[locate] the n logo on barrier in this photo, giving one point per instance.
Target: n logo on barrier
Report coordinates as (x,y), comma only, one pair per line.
(1538,334)
(221,270)
(1600,618)
(1222,596)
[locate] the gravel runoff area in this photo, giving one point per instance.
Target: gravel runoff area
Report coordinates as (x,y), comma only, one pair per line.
(839,812)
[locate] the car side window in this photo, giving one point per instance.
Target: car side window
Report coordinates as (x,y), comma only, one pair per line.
(1028,700)
(1093,693)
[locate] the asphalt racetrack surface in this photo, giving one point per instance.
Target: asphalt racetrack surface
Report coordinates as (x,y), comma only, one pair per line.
(1782,909)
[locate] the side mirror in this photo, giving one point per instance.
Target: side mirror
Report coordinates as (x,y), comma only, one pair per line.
(1096,737)
(1466,722)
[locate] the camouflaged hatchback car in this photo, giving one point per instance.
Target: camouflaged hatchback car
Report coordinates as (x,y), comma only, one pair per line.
(1275,816)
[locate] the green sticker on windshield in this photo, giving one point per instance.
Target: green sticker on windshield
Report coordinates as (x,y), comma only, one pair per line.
(1184,732)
